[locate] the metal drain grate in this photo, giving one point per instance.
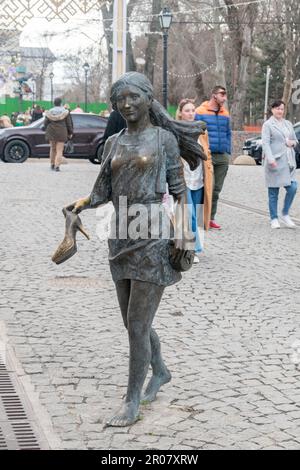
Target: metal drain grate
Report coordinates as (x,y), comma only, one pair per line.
(2,441)
(18,429)
(13,407)
(18,437)
(6,385)
(25,436)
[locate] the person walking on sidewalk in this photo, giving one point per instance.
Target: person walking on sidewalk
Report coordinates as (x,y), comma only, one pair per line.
(279,141)
(59,128)
(198,181)
(36,113)
(217,119)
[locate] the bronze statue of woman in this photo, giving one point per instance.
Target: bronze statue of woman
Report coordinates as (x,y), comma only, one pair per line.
(136,166)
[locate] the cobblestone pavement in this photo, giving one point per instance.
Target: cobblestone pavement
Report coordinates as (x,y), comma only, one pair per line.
(227,329)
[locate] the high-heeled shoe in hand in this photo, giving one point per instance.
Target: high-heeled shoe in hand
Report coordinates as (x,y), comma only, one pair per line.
(68,247)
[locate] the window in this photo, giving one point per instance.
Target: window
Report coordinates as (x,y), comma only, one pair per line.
(88,121)
(37,124)
(297,131)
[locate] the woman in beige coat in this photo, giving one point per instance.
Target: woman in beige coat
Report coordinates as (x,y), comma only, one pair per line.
(199,181)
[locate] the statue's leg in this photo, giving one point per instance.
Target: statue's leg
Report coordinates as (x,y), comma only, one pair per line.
(123,293)
(143,302)
(161,375)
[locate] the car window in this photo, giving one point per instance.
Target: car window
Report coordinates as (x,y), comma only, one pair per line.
(37,124)
(88,121)
(297,131)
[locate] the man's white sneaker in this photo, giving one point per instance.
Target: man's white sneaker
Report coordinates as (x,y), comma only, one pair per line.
(196,259)
(275,223)
(287,221)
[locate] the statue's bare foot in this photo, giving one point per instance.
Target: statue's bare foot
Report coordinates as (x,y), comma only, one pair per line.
(127,415)
(154,385)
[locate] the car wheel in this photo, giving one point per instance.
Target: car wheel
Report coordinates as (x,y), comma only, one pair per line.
(94,160)
(257,155)
(16,151)
(98,158)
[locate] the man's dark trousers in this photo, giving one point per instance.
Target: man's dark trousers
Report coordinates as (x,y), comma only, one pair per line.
(220,163)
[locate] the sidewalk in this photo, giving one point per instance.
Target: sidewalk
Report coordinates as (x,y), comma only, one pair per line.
(227,329)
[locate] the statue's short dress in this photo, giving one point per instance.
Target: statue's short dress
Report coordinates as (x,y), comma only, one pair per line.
(133,175)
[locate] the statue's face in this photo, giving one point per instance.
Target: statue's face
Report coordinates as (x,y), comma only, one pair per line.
(132,103)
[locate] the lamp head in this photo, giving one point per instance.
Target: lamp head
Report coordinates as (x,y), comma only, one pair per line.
(165,19)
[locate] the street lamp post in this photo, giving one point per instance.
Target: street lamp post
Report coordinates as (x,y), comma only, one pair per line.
(86,69)
(165,20)
(51,76)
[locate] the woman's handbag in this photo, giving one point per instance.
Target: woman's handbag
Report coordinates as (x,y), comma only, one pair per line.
(69,147)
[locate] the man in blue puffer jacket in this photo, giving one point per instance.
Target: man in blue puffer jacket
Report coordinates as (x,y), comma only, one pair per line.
(217,121)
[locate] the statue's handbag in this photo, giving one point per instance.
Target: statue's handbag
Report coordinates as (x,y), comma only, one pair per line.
(180,260)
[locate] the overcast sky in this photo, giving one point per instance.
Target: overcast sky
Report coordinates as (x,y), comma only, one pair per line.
(80,32)
(65,36)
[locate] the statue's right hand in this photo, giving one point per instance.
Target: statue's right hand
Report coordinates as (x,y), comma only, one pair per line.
(77,206)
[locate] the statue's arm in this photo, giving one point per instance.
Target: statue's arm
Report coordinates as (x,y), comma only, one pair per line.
(102,189)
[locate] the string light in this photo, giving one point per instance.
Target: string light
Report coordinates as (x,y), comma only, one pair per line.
(193,75)
(209,9)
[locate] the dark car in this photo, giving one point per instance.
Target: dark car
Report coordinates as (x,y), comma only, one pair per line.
(19,143)
(253,147)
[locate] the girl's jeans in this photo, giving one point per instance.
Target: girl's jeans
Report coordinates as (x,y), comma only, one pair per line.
(195,202)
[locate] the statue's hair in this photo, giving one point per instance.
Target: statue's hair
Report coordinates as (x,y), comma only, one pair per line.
(186,133)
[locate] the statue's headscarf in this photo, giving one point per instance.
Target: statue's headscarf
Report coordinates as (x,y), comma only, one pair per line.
(186,133)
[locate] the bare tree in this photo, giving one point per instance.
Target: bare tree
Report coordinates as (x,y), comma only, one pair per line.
(291,16)
(37,61)
(153,38)
(219,46)
(241,25)
(130,66)
(107,10)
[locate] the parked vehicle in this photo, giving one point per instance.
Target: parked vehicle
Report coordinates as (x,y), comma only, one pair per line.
(253,147)
(19,143)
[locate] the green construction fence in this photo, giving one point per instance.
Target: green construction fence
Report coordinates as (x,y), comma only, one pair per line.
(10,105)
